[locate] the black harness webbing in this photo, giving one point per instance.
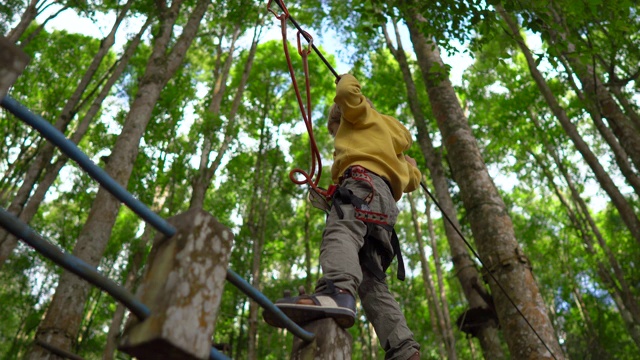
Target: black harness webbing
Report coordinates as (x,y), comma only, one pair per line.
(371,246)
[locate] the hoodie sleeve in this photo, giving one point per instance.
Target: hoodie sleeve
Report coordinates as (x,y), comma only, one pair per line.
(353,104)
(414,178)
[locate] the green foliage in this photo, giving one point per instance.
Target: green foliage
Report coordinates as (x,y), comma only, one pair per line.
(252,194)
(9,11)
(22,294)
(58,60)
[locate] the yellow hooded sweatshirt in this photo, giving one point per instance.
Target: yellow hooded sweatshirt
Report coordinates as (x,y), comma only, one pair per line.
(372,140)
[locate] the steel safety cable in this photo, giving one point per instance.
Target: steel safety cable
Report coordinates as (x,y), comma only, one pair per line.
(295,23)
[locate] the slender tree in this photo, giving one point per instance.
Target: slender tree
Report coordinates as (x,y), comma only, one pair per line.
(584,223)
(447,328)
(435,311)
(560,36)
(207,168)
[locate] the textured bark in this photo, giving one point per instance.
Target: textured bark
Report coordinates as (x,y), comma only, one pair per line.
(624,208)
(331,342)
(464,267)
(13,61)
(203,179)
(52,170)
(491,225)
(182,285)
(62,321)
(45,153)
(434,310)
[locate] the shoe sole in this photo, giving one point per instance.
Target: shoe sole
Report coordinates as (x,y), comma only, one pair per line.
(303,314)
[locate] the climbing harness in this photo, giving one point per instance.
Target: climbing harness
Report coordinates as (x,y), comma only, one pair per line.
(372,245)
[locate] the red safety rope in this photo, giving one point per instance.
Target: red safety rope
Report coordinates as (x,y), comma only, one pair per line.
(316,162)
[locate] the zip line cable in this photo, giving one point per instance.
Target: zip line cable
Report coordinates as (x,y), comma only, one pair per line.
(316,157)
(304,33)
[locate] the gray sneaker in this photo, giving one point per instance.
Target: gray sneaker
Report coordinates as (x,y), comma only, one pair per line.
(337,304)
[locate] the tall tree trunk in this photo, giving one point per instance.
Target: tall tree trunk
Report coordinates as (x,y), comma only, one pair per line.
(466,272)
(624,208)
(202,181)
(253,306)
(9,242)
(241,345)
(630,300)
(491,225)
(594,345)
(47,150)
(61,324)
(23,331)
(254,215)
(435,314)
(136,262)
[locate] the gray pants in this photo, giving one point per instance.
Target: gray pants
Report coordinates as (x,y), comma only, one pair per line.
(341,241)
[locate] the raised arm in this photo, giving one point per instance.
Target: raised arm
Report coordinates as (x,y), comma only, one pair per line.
(352,103)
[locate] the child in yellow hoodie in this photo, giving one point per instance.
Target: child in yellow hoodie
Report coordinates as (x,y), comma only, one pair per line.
(359,243)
